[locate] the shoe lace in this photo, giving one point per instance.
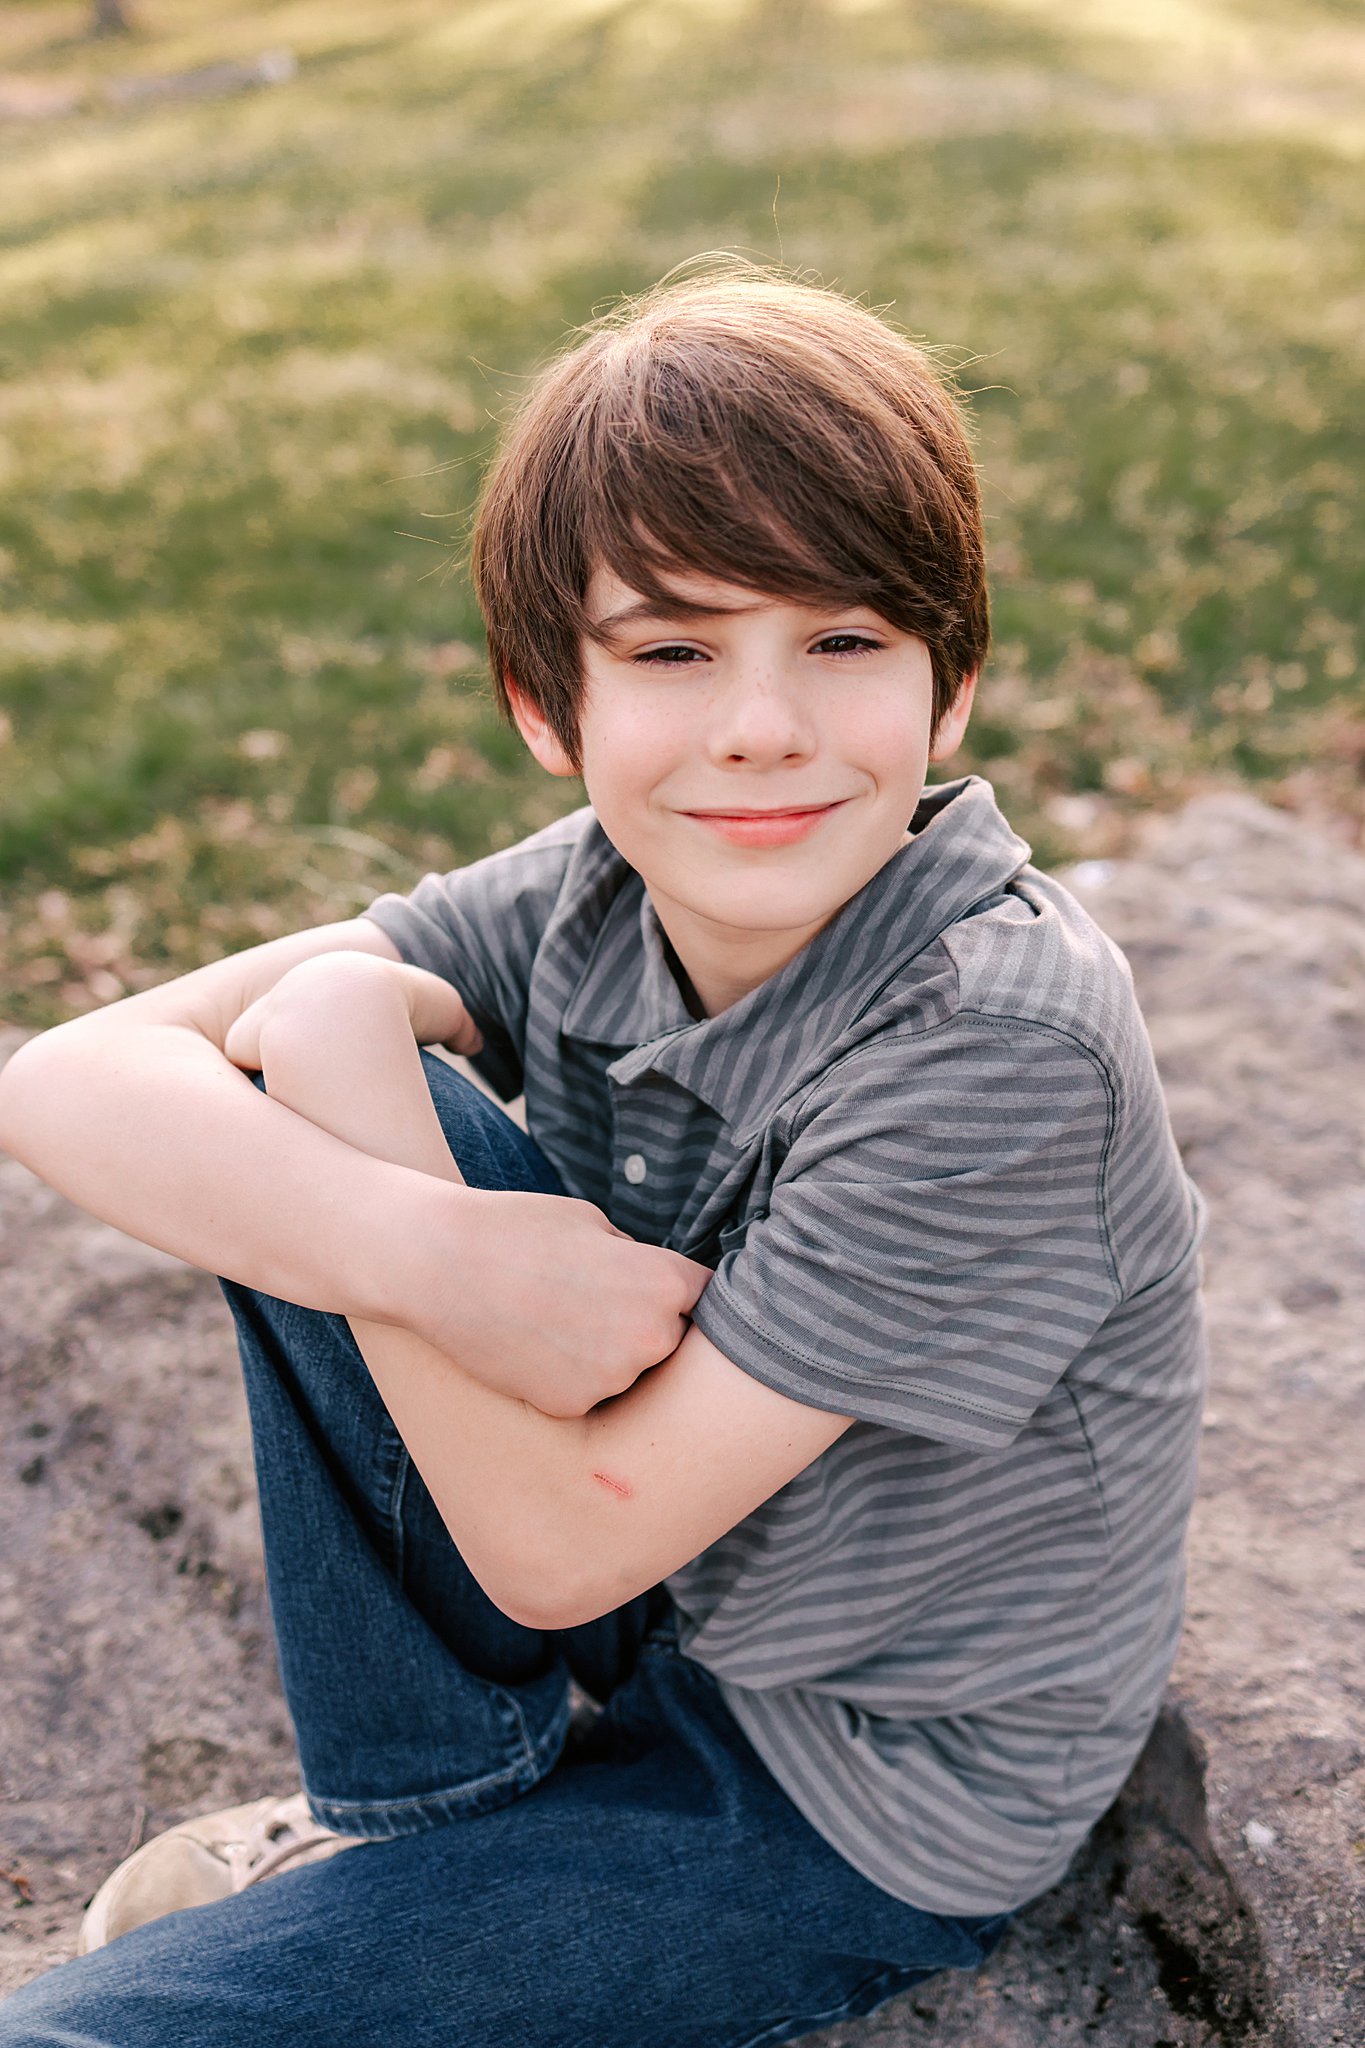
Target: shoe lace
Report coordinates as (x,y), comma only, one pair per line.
(274,1840)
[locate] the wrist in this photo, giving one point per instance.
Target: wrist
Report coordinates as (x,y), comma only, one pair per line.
(435,1010)
(422,1260)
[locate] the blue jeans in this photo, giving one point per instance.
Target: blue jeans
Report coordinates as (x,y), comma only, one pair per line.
(647,1883)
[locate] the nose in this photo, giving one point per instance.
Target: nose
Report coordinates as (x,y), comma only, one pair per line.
(759,718)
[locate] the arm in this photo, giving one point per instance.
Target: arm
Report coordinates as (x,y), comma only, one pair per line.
(559,1519)
(136,1113)
(562,1520)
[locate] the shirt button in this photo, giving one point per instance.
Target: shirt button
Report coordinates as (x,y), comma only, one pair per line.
(635,1168)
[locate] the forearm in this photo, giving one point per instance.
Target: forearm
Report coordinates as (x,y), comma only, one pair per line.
(144,1122)
(171,1143)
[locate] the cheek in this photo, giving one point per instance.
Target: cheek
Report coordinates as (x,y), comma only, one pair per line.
(630,746)
(889,734)
(890,722)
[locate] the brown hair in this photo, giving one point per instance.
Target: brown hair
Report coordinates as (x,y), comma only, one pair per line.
(739,425)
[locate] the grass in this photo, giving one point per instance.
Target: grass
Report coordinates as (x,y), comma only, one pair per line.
(250,346)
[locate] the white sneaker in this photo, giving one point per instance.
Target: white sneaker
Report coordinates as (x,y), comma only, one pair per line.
(204,1859)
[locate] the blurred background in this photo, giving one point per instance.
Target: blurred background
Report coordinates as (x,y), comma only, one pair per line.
(270,275)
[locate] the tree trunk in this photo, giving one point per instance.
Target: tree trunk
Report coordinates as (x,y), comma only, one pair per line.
(111,19)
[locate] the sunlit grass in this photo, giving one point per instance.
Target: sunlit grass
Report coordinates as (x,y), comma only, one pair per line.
(251,346)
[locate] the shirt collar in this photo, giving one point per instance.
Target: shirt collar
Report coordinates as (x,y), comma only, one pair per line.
(746,1061)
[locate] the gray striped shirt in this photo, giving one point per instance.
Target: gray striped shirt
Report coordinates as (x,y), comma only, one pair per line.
(930,1163)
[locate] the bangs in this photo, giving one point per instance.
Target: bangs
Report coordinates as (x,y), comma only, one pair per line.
(707,458)
(740,509)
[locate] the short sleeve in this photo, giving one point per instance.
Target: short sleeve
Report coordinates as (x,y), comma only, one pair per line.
(479,928)
(935,1251)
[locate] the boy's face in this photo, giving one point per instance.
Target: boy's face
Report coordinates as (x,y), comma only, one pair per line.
(756,762)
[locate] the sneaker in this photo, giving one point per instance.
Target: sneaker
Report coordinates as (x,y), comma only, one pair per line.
(205,1859)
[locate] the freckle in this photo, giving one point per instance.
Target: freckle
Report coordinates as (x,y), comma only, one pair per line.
(616,1485)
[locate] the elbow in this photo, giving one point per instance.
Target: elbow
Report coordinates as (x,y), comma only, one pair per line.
(8,1091)
(528,1608)
(24,1079)
(549,1607)
(548,1593)
(553,1556)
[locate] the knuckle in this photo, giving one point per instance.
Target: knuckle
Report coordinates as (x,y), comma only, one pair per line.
(610,1383)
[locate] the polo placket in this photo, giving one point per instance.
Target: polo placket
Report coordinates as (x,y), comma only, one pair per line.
(641,1144)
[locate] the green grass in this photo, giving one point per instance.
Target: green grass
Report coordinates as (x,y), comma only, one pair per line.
(248,346)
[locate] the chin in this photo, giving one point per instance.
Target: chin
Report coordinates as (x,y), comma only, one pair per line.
(747,905)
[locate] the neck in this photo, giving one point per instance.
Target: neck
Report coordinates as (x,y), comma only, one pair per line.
(722,963)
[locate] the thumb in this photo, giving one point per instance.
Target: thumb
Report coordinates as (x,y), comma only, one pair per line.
(697,1278)
(466,1037)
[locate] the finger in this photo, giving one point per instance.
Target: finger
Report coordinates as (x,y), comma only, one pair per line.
(698,1280)
(686,1275)
(242,1041)
(466,1039)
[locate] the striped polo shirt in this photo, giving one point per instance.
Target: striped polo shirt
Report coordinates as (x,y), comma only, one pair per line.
(931,1166)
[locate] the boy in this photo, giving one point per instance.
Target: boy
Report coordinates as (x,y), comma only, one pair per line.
(817,1384)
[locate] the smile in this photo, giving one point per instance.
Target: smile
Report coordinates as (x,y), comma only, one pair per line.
(766,828)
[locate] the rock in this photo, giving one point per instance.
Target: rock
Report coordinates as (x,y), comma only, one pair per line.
(1220,1900)
(138,1681)
(1247,941)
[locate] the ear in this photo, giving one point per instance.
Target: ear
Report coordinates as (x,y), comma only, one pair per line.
(537,732)
(953,724)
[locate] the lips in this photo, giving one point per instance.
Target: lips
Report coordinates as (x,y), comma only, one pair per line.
(766,827)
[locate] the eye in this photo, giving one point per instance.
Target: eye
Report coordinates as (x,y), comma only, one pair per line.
(847,643)
(669,656)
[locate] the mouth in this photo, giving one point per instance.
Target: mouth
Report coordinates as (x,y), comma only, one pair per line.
(754,827)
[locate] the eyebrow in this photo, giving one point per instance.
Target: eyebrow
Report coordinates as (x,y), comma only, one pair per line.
(645,608)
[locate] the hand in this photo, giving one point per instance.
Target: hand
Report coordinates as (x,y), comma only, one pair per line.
(566,1310)
(435,1010)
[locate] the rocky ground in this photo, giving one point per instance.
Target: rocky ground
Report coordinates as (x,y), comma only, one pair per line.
(1219,1903)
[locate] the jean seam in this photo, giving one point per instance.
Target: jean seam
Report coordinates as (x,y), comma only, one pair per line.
(397,1490)
(527,1744)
